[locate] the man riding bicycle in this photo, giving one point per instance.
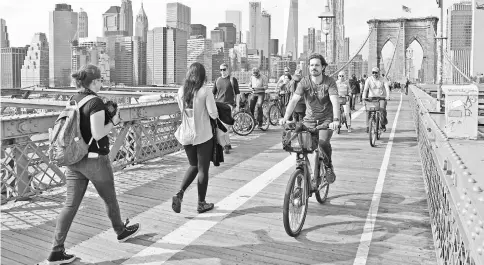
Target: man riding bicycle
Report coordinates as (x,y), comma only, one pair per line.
(322,107)
(344,91)
(376,86)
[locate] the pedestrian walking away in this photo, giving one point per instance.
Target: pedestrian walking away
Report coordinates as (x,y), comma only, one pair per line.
(95,124)
(197,104)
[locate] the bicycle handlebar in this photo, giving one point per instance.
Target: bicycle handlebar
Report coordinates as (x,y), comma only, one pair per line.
(300,127)
(375,99)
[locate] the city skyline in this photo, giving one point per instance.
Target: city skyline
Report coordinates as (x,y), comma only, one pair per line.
(156,12)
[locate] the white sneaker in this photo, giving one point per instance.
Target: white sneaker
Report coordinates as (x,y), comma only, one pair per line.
(349,129)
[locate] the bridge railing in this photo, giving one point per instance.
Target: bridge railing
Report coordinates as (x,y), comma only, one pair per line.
(454,196)
(147,132)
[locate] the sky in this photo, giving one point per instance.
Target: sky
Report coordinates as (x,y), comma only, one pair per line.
(26,17)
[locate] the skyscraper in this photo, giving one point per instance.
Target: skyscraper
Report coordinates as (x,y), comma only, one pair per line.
(459,38)
(292,29)
(274,46)
(126,17)
(305,44)
(198,30)
(111,22)
(176,55)
(141,24)
(4,42)
(139,61)
(230,32)
(254,24)
(235,17)
(346,50)
(200,50)
(311,40)
(264,35)
(62,31)
(217,35)
(11,60)
(155,56)
(178,16)
(83,25)
(35,69)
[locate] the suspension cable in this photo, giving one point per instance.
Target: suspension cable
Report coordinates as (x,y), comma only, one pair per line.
(394,51)
(352,58)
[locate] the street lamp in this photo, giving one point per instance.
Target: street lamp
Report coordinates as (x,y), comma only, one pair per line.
(327,15)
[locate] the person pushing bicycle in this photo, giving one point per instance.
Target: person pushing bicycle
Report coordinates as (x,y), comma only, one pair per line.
(322,107)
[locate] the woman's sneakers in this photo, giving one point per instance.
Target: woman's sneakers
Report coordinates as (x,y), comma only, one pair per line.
(176,202)
(60,257)
(129,231)
(204,207)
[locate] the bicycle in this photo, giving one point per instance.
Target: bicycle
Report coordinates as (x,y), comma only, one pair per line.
(342,117)
(302,184)
(244,121)
(372,106)
(276,109)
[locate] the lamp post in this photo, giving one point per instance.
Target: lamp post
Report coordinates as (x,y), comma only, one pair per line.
(326,16)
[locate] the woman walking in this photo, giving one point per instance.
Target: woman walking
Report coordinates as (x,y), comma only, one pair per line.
(197,104)
(95,167)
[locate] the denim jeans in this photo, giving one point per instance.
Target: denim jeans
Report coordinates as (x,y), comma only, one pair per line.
(99,171)
(256,106)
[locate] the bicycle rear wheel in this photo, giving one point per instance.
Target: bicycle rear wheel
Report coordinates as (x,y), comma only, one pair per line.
(274,115)
(373,131)
(378,129)
(244,123)
(265,116)
(295,205)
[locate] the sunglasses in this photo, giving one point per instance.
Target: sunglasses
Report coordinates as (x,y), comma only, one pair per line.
(374,72)
(225,69)
(341,75)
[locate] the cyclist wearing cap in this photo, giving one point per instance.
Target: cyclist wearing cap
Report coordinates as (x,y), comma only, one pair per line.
(322,107)
(344,91)
(376,86)
(259,84)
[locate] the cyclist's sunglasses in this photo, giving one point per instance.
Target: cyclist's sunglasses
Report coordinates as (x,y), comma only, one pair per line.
(223,69)
(374,72)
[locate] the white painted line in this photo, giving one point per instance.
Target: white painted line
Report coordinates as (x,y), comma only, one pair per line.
(177,240)
(365,241)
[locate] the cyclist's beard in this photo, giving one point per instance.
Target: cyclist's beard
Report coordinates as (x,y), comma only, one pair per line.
(316,73)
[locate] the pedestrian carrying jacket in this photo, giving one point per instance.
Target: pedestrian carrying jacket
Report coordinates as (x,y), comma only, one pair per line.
(218,150)
(224,113)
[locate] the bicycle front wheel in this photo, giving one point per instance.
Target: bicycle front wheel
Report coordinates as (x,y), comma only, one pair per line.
(378,129)
(274,115)
(295,203)
(244,123)
(322,194)
(373,131)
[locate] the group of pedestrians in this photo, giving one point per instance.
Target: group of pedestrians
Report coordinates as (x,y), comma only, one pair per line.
(312,99)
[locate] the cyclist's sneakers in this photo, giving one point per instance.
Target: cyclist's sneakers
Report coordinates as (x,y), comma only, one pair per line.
(349,129)
(226,149)
(330,176)
(176,202)
(60,257)
(129,231)
(204,207)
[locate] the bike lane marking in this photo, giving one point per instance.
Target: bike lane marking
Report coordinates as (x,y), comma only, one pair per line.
(366,236)
(174,242)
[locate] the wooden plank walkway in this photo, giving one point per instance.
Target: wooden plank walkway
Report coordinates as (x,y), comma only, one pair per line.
(246,227)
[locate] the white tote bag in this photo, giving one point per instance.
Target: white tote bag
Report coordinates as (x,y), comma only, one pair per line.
(185,134)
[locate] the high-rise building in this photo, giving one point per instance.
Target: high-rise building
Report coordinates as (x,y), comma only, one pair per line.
(337,32)
(124,62)
(176,55)
(198,30)
(141,24)
(126,17)
(264,36)
(217,35)
(459,38)
(346,50)
(111,23)
(230,32)
(4,41)
(235,17)
(62,32)
(292,29)
(217,60)
(82,24)
(274,46)
(477,53)
(92,51)
(178,16)
(247,37)
(139,61)
(311,40)
(11,60)
(305,44)
(155,56)
(200,50)
(35,69)
(254,23)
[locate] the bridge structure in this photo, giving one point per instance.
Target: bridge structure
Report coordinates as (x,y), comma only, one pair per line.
(417,198)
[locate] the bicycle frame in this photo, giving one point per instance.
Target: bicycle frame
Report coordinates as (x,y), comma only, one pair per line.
(302,162)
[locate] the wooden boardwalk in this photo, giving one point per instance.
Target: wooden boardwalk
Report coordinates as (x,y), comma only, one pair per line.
(357,225)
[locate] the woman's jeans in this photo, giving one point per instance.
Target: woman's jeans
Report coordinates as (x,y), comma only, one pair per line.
(255,105)
(100,173)
(199,157)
